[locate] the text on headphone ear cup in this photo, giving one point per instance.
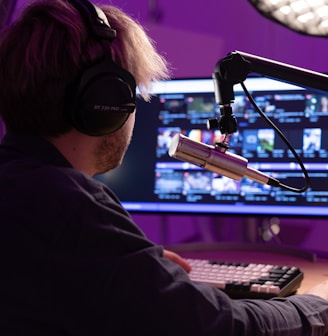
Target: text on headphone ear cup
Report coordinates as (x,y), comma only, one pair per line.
(104,99)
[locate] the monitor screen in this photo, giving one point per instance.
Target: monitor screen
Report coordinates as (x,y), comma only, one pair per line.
(149,180)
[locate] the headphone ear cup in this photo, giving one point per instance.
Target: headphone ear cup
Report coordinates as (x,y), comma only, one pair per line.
(102,99)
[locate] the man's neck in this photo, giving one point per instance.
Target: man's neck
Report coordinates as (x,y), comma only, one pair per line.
(78,149)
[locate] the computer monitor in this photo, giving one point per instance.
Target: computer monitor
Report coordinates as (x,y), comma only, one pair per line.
(149,180)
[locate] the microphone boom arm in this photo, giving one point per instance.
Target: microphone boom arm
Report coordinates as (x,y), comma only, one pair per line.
(235,67)
(231,70)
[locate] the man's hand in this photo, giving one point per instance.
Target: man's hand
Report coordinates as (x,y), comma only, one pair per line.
(177,259)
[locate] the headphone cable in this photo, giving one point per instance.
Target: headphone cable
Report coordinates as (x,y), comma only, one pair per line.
(286,141)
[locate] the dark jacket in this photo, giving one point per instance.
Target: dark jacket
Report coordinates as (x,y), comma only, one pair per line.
(74,263)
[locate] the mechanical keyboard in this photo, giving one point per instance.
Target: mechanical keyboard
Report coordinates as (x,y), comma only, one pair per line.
(247,280)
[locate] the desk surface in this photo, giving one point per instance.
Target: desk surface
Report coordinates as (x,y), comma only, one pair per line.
(315,271)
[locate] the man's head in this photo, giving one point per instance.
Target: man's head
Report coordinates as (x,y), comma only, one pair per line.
(44,54)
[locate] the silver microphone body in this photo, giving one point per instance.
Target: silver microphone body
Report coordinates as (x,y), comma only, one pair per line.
(212,159)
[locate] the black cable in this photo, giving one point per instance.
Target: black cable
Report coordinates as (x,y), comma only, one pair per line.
(282,136)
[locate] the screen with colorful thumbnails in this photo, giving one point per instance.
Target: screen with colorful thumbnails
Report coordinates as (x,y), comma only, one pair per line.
(149,180)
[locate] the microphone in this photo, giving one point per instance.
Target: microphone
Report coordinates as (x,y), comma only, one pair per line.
(213,159)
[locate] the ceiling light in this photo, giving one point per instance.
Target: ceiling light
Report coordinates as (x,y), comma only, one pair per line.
(308,17)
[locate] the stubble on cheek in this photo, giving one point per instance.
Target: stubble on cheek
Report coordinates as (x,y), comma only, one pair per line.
(111,149)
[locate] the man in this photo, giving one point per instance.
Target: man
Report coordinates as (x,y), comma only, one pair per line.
(72,260)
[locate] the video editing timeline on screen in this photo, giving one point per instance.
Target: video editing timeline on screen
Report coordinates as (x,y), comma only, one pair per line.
(299,113)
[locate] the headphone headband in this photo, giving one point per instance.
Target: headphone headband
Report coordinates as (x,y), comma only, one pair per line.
(95,19)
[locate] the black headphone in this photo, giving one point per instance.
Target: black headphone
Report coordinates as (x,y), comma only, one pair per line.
(100,101)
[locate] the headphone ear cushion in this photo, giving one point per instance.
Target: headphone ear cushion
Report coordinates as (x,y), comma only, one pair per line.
(102,99)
